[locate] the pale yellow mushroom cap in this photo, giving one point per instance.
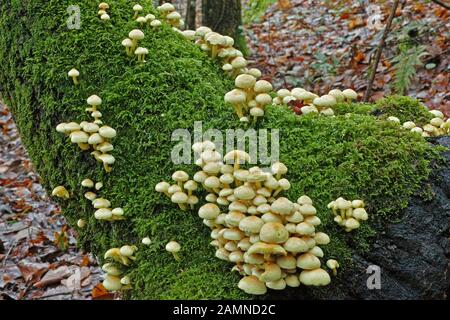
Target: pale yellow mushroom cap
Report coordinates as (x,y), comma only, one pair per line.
(263,99)
(79,137)
(252,285)
(244,193)
(209,211)
(305,228)
(90,195)
(146,241)
(101,203)
(287,262)
(180,176)
(409,125)
(81,223)
(107,132)
(245,81)
(351,224)
(292,281)
(279,284)
(87,183)
(107,158)
(437,113)
(188,34)
(279,168)
(252,224)
(137,7)
(127,251)
(136,34)
(272,272)
(103,6)
(105,17)
(179,197)
(282,93)
(235,96)
(73,73)
(332,264)
(141,19)
(296,245)
(321,238)
(274,232)
(238,62)
(103,214)
(266,248)
(282,206)
(173,246)
(166,7)
(350,94)
(316,277)
(156,23)
(94,100)
(112,283)
(337,94)
(141,51)
(308,261)
(262,86)
(393,119)
(125,280)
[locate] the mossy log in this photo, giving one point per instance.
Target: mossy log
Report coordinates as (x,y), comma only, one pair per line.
(356,155)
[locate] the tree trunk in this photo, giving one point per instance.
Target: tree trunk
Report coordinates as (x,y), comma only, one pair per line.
(223,16)
(190,14)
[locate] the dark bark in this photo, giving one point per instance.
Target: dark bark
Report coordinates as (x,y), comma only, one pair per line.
(222,16)
(190,14)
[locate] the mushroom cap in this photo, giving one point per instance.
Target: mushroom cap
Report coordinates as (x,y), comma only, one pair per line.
(266,248)
(273,232)
(150,17)
(174,188)
(60,191)
(279,168)
(279,284)
(94,100)
(101,203)
(79,137)
(262,86)
(90,127)
(173,16)
(252,285)
(111,269)
(165,7)
(350,94)
(103,214)
(252,71)
(190,185)
(263,99)
(316,277)
(107,158)
(179,197)
(233,155)
(321,238)
(105,16)
(296,245)
(87,183)
(81,223)
(146,241)
(136,34)
(156,23)
(201,31)
(437,122)
(107,132)
(141,51)
(308,261)
(360,214)
(245,81)
(317,251)
(112,283)
(105,147)
(180,176)
(173,246)
(95,138)
(237,206)
(244,193)
(409,125)
(393,119)
(282,206)
(137,7)
(337,94)
(236,96)
(295,217)
(233,218)
(305,228)
(437,113)
(351,223)
(117,212)
(292,281)
(233,234)
(304,200)
(239,62)
(90,195)
(126,251)
(236,256)
(343,204)
(252,224)
(313,220)
(332,264)
(73,73)
(209,211)
(272,272)
(188,34)
(215,39)
(282,93)
(103,6)
(287,262)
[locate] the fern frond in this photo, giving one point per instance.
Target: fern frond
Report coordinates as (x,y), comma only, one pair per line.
(405,66)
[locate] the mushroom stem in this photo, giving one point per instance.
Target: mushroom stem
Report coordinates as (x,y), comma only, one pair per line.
(334,272)
(214,50)
(277,191)
(107,167)
(236,165)
(176,256)
(182,206)
(238,110)
(75,81)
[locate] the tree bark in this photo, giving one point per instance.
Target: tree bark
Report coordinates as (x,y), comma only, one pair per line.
(190,14)
(222,16)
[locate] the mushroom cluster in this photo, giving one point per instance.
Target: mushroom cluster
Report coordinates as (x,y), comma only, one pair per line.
(131,45)
(437,126)
(181,192)
(348,214)
(102,205)
(272,241)
(307,102)
(103,11)
(93,135)
(121,257)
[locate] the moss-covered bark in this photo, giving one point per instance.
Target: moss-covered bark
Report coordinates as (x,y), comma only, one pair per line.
(354,156)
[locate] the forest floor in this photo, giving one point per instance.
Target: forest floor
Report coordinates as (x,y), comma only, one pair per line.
(301,43)
(320,45)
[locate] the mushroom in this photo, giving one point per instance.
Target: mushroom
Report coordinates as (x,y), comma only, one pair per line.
(296,245)
(101,203)
(278,169)
(349,94)
(308,261)
(279,284)
(252,285)
(61,192)
(316,277)
(180,177)
(163,187)
(273,232)
(74,73)
(173,19)
(156,23)
(209,211)
(103,214)
(337,94)
(180,198)
(81,223)
(394,119)
(94,101)
(246,82)
(90,195)
(237,98)
(107,160)
(236,157)
(137,8)
(105,17)
(103,6)
(174,247)
(107,132)
(165,9)
(146,241)
(135,35)
(333,265)
(128,44)
(141,52)
(112,283)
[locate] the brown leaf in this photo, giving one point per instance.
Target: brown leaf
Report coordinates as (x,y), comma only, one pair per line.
(100,293)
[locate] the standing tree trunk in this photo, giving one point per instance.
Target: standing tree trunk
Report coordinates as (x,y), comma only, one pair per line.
(222,16)
(190,14)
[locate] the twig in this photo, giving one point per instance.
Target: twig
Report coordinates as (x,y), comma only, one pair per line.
(379,51)
(446,6)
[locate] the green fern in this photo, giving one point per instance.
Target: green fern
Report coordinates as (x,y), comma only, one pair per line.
(405,66)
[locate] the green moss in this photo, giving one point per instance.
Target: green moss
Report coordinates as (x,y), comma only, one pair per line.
(350,155)
(404,108)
